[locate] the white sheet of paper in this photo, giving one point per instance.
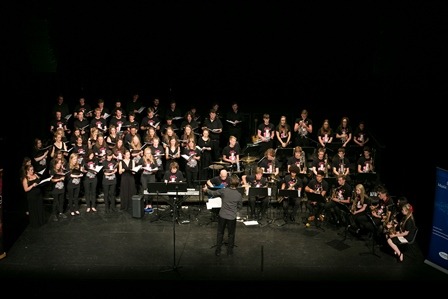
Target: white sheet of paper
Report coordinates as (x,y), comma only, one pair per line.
(214,202)
(402,239)
(251,222)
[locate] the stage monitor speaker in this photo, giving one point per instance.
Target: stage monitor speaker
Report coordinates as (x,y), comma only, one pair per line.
(137,206)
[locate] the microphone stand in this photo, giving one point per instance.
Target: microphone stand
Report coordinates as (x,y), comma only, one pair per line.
(157,187)
(174,267)
(201,196)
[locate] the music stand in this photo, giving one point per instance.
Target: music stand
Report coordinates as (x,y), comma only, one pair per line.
(332,147)
(157,187)
(288,193)
(284,152)
(374,236)
(366,179)
(175,187)
(316,197)
(332,182)
(309,152)
(254,191)
(201,191)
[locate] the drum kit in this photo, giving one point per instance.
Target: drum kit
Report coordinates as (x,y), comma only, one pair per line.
(248,162)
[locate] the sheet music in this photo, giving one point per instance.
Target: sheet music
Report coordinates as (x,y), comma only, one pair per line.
(214,202)
(186,157)
(141,109)
(251,222)
(45,180)
(42,171)
(177,117)
(402,239)
(67,117)
(150,169)
(136,168)
(233,122)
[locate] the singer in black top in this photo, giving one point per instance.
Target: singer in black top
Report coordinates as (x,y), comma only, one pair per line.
(234,122)
(31,186)
(192,156)
(214,125)
(109,181)
(266,133)
(231,203)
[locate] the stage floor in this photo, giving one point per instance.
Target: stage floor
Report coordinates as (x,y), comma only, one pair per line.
(117,246)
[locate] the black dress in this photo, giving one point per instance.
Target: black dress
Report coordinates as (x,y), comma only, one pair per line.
(35,201)
(127,186)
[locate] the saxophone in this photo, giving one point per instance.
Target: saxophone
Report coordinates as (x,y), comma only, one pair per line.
(341,166)
(302,162)
(391,224)
(273,177)
(354,204)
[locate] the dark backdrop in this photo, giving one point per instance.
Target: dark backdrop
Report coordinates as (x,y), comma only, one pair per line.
(376,62)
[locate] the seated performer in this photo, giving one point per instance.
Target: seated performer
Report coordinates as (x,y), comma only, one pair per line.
(291,182)
(218,182)
(174,175)
(256,181)
(340,201)
(316,185)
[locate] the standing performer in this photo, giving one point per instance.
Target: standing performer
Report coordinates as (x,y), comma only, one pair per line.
(231,203)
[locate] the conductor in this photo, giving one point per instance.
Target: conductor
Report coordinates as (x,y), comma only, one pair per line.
(231,203)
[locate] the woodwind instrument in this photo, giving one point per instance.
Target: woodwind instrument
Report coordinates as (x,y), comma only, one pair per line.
(390,223)
(302,162)
(356,199)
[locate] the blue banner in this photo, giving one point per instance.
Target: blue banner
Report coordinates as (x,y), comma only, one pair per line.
(438,247)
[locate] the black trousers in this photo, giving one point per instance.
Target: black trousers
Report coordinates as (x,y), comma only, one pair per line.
(231,228)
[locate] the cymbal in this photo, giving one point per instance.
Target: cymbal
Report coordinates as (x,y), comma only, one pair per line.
(221,163)
(216,167)
(248,159)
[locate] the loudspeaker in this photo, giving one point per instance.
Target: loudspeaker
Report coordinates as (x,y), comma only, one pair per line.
(137,206)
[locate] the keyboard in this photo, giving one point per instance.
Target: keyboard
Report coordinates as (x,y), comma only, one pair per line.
(187,193)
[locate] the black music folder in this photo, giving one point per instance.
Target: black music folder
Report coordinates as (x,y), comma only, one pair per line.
(315,197)
(260,192)
(177,187)
(157,187)
(288,193)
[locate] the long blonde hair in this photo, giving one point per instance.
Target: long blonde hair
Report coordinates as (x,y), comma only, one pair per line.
(409,215)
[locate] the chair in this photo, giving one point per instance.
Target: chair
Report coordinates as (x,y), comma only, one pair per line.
(408,248)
